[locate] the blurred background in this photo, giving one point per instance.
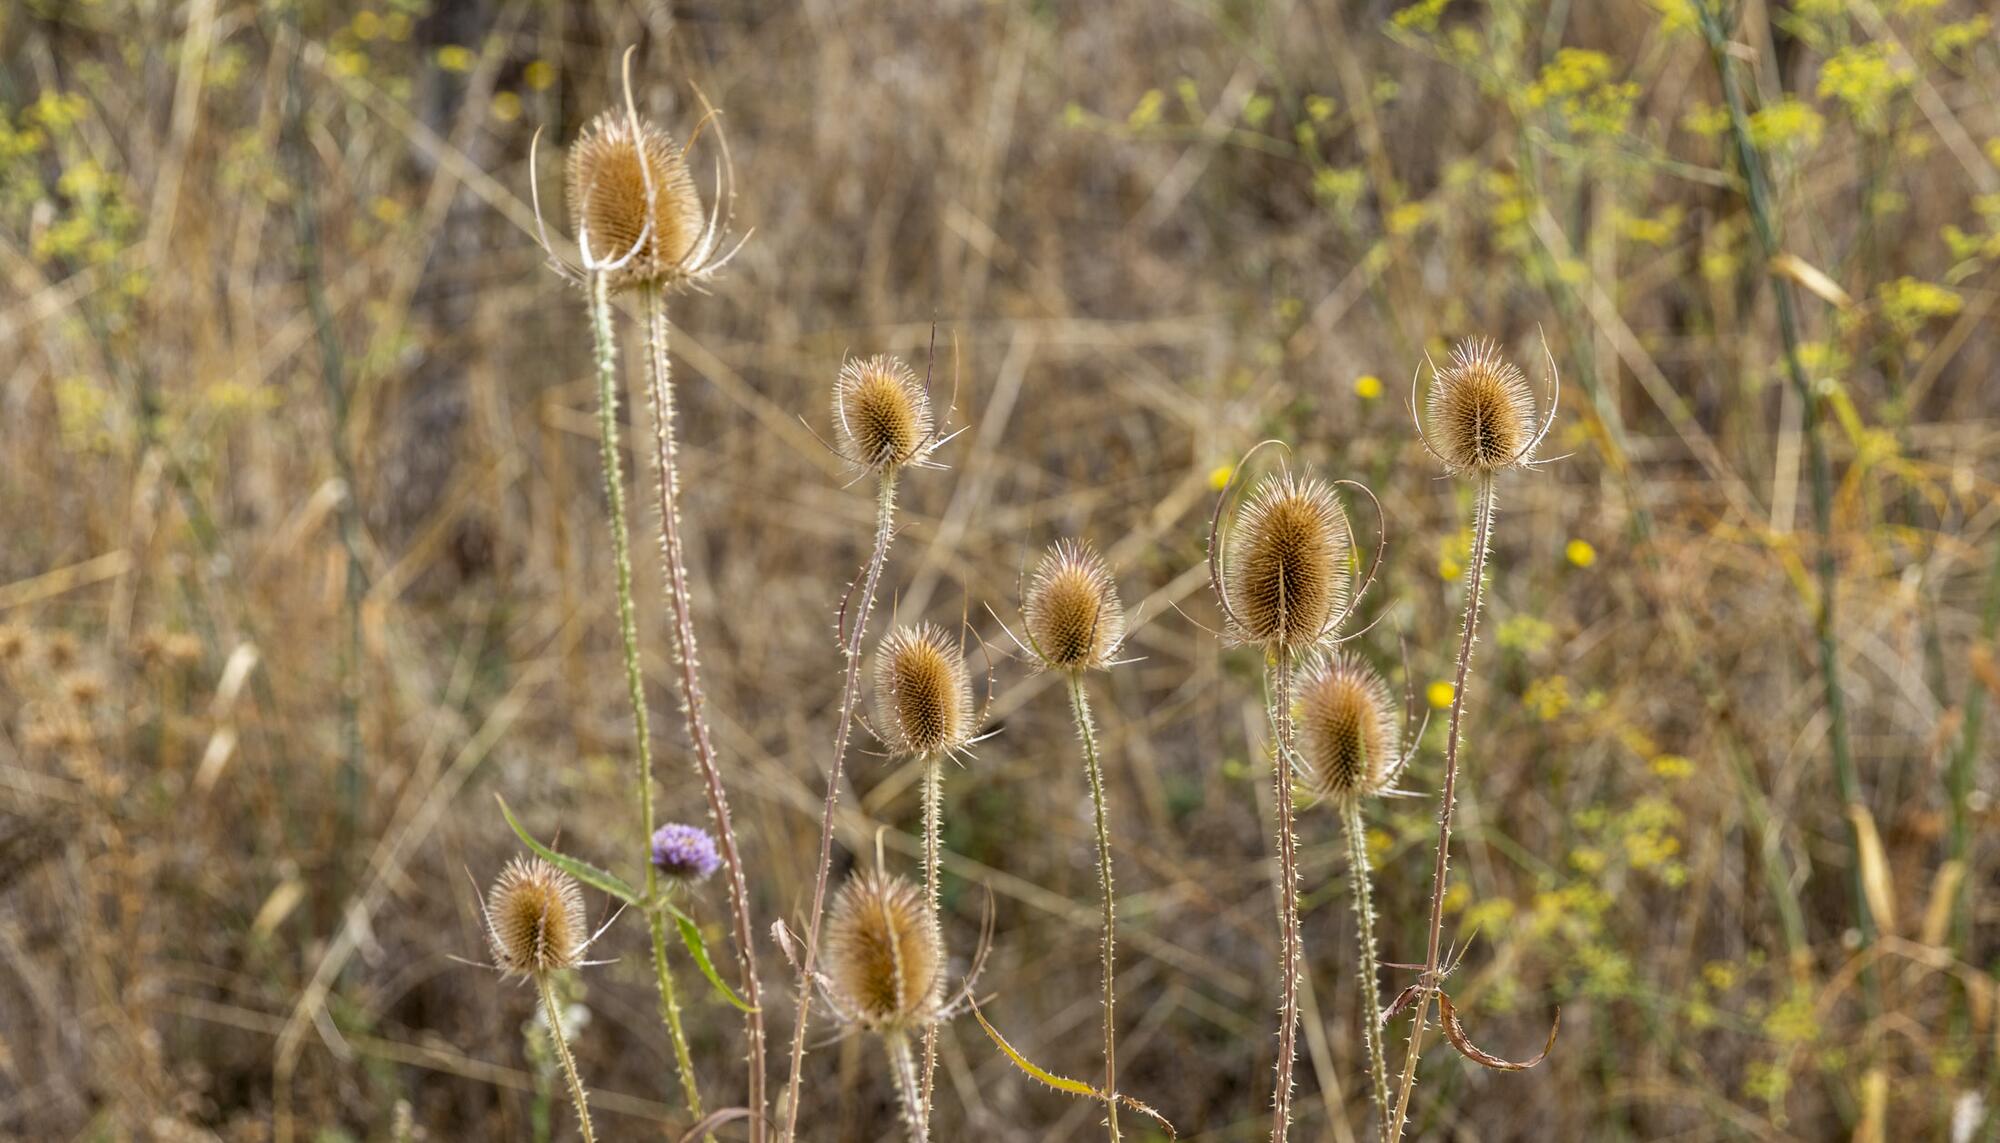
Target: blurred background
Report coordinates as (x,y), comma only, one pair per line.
(303,556)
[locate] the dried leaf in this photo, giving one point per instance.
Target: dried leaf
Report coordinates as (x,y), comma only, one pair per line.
(1876,884)
(1064,1083)
(1455,1032)
(1812,278)
(1402,1003)
(713,1120)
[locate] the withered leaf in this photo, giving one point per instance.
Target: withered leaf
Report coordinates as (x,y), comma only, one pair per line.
(1455,1032)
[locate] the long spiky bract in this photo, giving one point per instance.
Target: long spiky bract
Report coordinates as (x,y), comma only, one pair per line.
(850,696)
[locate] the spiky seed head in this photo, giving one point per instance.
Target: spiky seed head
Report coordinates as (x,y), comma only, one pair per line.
(1288,561)
(534,919)
(1481,413)
(607,172)
(883,412)
(923,693)
(1074,618)
(884,956)
(1347,736)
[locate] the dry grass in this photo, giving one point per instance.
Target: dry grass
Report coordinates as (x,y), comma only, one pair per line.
(302,556)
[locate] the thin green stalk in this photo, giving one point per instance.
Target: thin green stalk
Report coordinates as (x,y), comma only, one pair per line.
(1288,919)
(688,677)
(1370,969)
(904,1069)
(577,1095)
(1475,572)
(885,516)
(1757,193)
(933,827)
(1086,732)
(670,1013)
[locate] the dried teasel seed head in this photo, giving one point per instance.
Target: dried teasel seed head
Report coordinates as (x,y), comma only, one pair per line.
(1288,555)
(1347,730)
(1074,619)
(1481,413)
(534,919)
(923,693)
(884,957)
(607,173)
(883,412)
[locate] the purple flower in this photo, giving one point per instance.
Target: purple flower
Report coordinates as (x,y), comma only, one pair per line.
(684,852)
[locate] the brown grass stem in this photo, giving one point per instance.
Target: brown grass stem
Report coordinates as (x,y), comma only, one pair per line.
(1474,572)
(885,516)
(1288,876)
(1086,732)
(687,675)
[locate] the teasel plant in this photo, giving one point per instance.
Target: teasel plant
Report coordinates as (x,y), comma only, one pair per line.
(884,424)
(535,928)
(885,975)
(924,711)
(1349,752)
(640,226)
(1072,623)
(1479,421)
(1283,575)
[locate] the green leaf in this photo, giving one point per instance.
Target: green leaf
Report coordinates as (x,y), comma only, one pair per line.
(691,936)
(581,870)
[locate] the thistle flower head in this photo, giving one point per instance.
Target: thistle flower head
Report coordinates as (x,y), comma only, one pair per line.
(685,853)
(884,956)
(1288,560)
(609,168)
(923,694)
(1347,737)
(1480,411)
(883,412)
(534,919)
(1074,619)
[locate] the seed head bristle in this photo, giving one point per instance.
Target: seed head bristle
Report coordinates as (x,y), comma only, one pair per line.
(1481,412)
(607,172)
(923,693)
(884,956)
(1075,621)
(883,412)
(1289,573)
(1347,737)
(534,919)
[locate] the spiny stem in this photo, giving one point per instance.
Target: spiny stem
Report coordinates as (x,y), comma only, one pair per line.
(670,1012)
(933,827)
(686,659)
(885,515)
(905,1071)
(1086,732)
(1371,972)
(1288,919)
(1475,570)
(577,1095)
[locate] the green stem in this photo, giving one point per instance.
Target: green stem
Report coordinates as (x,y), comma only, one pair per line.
(1288,918)
(1370,969)
(885,516)
(933,827)
(1475,572)
(688,677)
(670,1013)
(577,1095)
(1086,732)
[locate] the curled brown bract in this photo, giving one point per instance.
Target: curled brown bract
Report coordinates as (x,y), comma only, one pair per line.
(1455,1032)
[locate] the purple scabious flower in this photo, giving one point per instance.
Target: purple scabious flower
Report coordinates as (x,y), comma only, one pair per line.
(684,852)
